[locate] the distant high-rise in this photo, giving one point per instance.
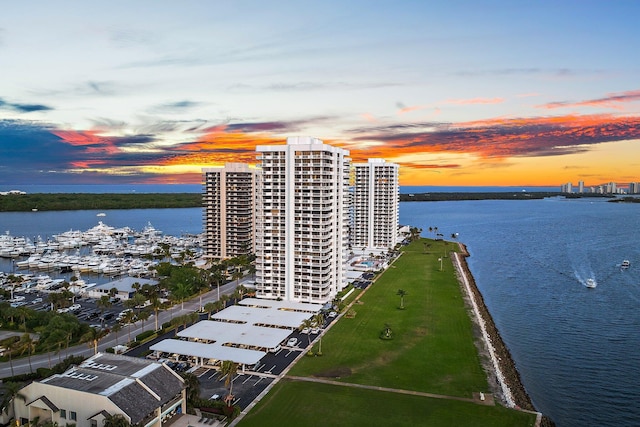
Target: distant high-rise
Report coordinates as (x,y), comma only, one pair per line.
(634,187)
(580,186)
(228,198)
(375,205)
(301,220)
(566,188)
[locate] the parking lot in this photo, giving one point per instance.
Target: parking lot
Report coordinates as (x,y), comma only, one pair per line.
(85,309)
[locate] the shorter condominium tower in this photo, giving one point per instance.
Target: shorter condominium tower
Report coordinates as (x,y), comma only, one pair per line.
(228,198)
(301,220)
(376,192)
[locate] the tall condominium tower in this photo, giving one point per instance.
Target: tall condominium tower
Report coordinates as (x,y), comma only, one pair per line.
(301,220)
(375,205)
(228,198)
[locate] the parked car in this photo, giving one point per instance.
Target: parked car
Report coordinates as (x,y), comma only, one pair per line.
(305,330)
(292,342)
(332,314)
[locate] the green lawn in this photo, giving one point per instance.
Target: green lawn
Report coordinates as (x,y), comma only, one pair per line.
(303,404)
(432,351)
(432,348)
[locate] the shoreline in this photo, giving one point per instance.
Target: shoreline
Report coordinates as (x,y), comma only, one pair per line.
(503,373)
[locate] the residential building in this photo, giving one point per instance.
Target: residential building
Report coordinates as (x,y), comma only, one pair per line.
(634,187)
(228,198)
(301,220)
(375,206)
(144,392)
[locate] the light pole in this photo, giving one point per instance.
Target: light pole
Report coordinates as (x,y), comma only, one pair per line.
(440,259)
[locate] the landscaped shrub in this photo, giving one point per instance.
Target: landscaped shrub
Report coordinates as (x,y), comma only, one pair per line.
(144,335)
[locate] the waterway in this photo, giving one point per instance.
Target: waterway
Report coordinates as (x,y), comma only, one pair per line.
(575,348)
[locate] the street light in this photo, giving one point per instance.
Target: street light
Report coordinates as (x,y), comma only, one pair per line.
(440,259)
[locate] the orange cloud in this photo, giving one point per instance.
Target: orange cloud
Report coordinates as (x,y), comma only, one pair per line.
(612,100)
(501,138)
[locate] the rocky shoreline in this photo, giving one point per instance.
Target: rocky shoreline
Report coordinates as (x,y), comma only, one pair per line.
(510,374)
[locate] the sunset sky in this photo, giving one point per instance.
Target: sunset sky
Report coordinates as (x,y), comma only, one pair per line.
(456,92)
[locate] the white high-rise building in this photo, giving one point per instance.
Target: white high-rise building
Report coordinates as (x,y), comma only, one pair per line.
(375,206)
(228,199)
(301,220)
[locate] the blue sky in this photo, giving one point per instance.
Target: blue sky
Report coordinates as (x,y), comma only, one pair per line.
(457,92)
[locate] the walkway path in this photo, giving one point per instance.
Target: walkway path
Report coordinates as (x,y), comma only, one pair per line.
(487,401)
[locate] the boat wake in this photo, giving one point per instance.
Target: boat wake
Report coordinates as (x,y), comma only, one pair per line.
(587,280)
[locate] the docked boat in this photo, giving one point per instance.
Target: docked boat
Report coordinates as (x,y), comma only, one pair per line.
(625,264)
(590,283)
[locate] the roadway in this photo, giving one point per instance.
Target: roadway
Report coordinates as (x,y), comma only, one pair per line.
(47,360)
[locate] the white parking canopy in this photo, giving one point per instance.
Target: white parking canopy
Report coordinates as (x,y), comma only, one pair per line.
(236,333)
(209,351)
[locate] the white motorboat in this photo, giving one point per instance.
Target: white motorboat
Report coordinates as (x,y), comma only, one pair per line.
(590,283)
(625,264)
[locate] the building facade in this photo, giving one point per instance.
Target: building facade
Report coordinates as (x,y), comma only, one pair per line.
(375,211)
(228,207)
(302,216)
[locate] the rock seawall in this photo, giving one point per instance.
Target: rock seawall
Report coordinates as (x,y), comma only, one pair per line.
(507,367)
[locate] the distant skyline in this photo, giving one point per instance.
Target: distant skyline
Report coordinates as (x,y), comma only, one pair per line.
(458,93)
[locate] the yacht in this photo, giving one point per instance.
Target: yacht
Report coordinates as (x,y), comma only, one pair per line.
(590,283)
(625,264)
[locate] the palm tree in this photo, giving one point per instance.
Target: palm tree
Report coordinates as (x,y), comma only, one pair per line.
(144,315)
(224,298)
(219,305)
(192,384)
(307,324)
(129,319)
(402,294)
(11,392)
(117,327)
(103,303)
(217,276)
(237,275)
(24,313)
(156,305)
(181,291)
(208,308)
(229,368)
(9,344)
(93,337)
(237,295)
(28,344)
(318,321)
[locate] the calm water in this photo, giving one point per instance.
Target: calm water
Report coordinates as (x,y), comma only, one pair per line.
(576,348)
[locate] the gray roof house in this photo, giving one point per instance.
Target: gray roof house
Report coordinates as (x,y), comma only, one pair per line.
(145,392)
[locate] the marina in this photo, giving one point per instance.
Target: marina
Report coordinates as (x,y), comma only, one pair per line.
(100,253)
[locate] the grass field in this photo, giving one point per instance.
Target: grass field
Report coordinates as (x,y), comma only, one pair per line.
(432,351)
(302,404)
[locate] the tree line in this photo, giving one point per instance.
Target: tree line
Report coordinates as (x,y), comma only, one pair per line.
(88,201)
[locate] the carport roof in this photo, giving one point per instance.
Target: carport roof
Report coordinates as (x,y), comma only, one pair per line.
(236,333)
(282,305)
(262,316)
(209,351)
